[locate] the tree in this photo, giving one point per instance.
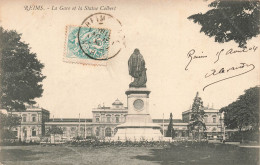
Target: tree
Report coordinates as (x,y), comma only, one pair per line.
(243,113)
(20,72)
(54,130)
(170,131)
(230,20)
(196,123)
(7,122)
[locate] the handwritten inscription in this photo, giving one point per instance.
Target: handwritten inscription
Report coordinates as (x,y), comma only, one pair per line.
(214,72)
(238,70)
(234,51)
(191,57)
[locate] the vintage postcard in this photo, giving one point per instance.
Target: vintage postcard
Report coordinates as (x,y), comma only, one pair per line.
(129,82)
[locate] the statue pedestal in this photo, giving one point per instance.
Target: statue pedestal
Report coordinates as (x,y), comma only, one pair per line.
(138,125)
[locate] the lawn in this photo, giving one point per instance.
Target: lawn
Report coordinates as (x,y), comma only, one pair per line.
(217,154)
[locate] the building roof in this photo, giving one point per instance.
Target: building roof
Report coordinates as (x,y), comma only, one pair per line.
(117,102)
(102,108)
(35,108)
(111,109)
(117,110)
(70,120)
(208,110)
(167,121)
(31,106)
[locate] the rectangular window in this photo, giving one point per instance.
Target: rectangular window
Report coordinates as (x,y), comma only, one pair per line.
(97,119)
(117,119)
(33,132)
(25,133)
(24,118)
(34,119)
(214,120)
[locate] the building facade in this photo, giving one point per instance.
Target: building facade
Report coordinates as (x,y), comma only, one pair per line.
(102,124)
(105,119)
(32,123)
(213,120)
(36,123)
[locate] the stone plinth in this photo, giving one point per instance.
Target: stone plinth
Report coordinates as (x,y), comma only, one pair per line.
(138,125)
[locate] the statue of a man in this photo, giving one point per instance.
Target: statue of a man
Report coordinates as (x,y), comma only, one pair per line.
(136,67)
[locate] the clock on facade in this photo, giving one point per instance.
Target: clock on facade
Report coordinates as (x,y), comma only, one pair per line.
(138,104)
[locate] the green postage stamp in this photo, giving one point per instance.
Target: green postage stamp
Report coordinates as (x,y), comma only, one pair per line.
(86,45)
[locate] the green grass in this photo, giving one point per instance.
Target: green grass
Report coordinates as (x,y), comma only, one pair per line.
(64,155)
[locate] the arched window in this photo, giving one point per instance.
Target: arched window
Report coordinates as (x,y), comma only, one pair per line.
(15,132)
(24,132)
(108,132)
(108,118)
(97,118)
(117,118)
(33,118)
(34,131)
(214,118)
(24,118)
(97,131)
(73,129)
(183,133)
(89,132)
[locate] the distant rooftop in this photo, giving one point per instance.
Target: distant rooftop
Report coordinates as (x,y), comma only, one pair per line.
(116,105)
(103,108)
(32,106)
(206,109)
(70,120)
(167,121)
(117,102)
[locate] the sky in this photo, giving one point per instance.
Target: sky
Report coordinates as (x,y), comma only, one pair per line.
(164,36)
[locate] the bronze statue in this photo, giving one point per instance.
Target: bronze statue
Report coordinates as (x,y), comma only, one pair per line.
(136,67)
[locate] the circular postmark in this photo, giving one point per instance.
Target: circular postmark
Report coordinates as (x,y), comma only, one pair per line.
(100,36)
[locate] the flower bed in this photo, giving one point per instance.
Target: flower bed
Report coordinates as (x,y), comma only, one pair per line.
(164,144)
